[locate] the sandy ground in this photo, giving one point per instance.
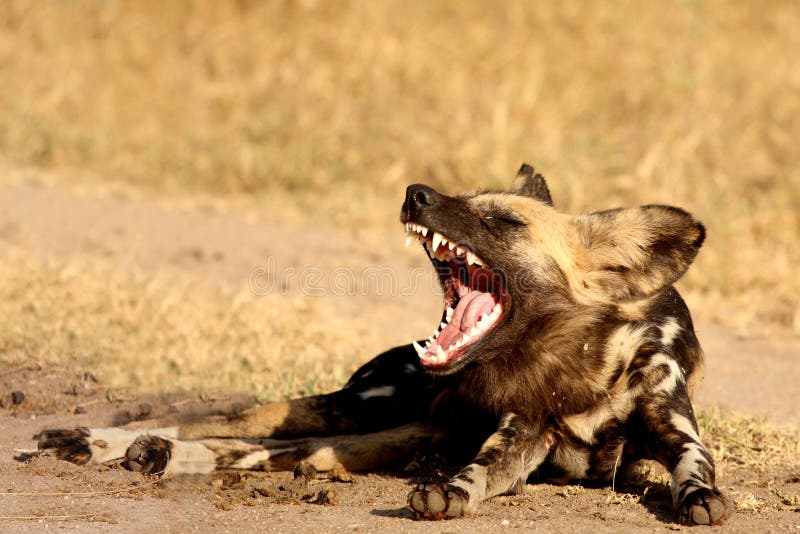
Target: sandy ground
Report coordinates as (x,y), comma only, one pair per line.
(753,376)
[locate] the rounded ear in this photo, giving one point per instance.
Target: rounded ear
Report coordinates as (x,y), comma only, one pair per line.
(530,184)
(634,253)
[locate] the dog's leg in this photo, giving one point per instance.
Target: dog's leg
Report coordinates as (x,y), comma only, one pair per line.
(356,452)
(669,434)
(389,391)
(504,462)
(92,445)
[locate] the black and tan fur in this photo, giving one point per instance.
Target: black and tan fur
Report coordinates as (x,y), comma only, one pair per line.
(589,369)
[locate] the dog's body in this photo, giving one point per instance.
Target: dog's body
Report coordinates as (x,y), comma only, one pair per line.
(563,350)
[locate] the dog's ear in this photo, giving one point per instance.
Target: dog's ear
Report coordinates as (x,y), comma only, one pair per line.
(634,253)
(530,184)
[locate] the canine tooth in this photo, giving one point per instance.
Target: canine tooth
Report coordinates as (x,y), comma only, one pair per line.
(408,240)
(449,313)
(418,348)
(471,258)
(437,239)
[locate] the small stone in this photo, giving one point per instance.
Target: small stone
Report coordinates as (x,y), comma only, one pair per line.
(339,474)
(305,470)
(326,498)
(79,410)
(17,397)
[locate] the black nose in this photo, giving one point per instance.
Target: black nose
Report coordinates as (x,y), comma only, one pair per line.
(418,197)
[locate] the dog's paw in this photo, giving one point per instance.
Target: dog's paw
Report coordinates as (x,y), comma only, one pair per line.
(704,506)
(148,454)
(71,445)
(437,501)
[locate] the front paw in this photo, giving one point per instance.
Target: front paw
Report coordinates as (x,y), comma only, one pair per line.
(437,501)
(704,506)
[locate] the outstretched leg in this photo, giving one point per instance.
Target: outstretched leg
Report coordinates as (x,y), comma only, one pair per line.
(389,391)
(669,435)
(356,452)
(504,462)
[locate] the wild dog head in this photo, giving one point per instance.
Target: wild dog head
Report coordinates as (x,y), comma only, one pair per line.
(509,263)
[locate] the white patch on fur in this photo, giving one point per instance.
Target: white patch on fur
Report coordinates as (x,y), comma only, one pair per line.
(674,376)
(380,391)
(190,457)
(574,461)
(585,424)
(686,466)
(257,458)
(682,424)
(621,346)
(669,330)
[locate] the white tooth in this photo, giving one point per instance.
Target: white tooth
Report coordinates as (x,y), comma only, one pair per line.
(449,313)
(424,231)
(442,325)
(418,348)
(459,251)
(430,340)
(451,246)
(408,227)
(444,240)
(408,240)
(471,258)
(465,338)
(440,353)
(477,261)
(437,239)
(474,330)
(427,343)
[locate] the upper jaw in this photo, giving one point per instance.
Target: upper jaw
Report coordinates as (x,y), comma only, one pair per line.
(471,321)
(439,246)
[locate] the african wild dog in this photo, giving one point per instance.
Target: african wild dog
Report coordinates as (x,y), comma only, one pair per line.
(563,350)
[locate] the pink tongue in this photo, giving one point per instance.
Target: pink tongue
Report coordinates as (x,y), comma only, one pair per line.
(465,316)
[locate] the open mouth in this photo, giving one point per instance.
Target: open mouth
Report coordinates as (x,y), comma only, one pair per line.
(473,297)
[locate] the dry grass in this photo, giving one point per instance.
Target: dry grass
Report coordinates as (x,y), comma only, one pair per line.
(163,334)
(340,104)
(749,442)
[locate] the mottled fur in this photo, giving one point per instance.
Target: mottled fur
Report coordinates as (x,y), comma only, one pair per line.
(589,369)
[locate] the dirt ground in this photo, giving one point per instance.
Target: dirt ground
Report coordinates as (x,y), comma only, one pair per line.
(744,375)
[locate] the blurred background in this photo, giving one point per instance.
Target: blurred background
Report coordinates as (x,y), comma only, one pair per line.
(302,122)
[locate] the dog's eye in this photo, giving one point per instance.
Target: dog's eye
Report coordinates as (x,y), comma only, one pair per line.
(503,218)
